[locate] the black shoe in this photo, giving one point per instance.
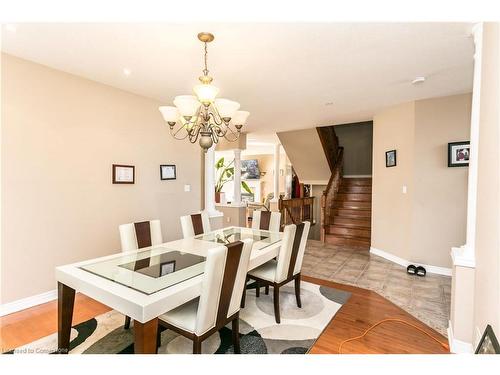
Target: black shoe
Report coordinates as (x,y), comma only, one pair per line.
(411,269)
(421,271)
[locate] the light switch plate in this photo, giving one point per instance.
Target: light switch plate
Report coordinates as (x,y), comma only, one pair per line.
(404,189)
(187,188)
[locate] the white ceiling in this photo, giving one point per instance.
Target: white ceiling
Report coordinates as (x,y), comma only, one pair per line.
(282,73)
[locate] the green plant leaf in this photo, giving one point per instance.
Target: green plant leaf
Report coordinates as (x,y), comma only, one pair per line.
(220,163)
(246,187)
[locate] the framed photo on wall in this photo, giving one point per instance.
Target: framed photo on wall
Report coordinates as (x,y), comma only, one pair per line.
(390,158)
(123,174)
(167,172)
(458,154)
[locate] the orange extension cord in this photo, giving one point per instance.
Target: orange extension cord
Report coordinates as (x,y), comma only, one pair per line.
(445,346)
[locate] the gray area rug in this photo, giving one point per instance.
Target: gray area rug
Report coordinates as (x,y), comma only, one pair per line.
(259,333)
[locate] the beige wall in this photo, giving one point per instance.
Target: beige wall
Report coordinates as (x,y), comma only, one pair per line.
(440,192)
(304,149)
(357,140)
(422,225)
(60,135)
(391,209)
(487,284)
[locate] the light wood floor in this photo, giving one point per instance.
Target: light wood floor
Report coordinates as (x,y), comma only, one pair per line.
(362,310)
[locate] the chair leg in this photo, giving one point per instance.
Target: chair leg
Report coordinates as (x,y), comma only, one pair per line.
(297,290)
(196,345)
(276,298)
(243,297)
(158,337)
(127,323)
(267,290)
(236,334)
(257,289)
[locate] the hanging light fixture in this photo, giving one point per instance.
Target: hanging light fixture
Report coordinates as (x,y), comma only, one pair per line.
(201,116)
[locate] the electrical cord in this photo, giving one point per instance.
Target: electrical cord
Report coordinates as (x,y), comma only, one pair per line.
(445,346)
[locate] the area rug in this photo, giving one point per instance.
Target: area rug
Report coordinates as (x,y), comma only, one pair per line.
(259,332)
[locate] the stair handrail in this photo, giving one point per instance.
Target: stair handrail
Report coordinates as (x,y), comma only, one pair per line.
(331,190)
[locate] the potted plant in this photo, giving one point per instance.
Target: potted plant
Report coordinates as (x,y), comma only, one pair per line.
(223,174)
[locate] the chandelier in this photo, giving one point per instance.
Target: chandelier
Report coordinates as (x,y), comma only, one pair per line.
(201,116)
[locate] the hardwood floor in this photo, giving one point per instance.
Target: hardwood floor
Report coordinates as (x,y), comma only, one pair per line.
(32,324)
(362,310)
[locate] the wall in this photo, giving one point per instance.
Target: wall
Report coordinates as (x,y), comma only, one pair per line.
(60,135)
(487,252)
(391,209)
(357,140)
(440,192)
(422,225)
(306,154)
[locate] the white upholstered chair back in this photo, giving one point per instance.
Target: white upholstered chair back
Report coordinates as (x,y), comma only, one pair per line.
(270,223)
(195,224)
(302,247)
(287,248)
(219,262)
(134,236)
(285,252)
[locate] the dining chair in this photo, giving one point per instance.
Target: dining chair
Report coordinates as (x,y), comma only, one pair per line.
(195,224)
(286,268)
(266,220)
(219,303)
(134,236)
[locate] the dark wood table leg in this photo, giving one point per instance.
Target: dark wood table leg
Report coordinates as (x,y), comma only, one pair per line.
(65,304)
(145,337)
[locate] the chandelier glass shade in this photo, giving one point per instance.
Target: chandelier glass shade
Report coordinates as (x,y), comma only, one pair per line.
(203,117)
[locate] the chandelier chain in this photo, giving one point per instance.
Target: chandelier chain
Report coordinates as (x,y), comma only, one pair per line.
(205,71)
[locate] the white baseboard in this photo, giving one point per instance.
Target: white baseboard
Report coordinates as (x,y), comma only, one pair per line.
(357,176)
(458,346)
(25,303)
(405,263)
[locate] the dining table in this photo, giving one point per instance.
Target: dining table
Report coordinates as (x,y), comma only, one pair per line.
(143,284)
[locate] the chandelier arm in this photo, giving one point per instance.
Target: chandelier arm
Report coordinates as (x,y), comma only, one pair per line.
(174,134)
(195,134)
(216,115)
(235,135)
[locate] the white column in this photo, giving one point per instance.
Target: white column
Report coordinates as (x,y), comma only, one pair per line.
(237,178)
(465,255)
(276,172)
(210,183)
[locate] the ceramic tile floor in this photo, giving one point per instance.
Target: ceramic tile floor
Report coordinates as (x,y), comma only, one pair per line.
(427,298)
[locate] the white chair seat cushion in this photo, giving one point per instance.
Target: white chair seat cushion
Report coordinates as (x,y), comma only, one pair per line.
(184,316)
(266,272)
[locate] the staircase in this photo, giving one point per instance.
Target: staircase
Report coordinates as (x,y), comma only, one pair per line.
(349,221)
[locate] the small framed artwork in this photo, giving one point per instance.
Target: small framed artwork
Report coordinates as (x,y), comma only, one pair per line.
(167,172)
(390,158)
(167,267)
(123,174)
(489,343)
(458,154)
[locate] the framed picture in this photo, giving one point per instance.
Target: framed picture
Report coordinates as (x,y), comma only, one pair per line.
(167,172)
(167,267)
(458,154)
(123,174)
(488,343)
(390,158)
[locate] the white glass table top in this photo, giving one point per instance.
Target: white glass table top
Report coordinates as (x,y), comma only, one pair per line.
(150,270)
(261,238)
